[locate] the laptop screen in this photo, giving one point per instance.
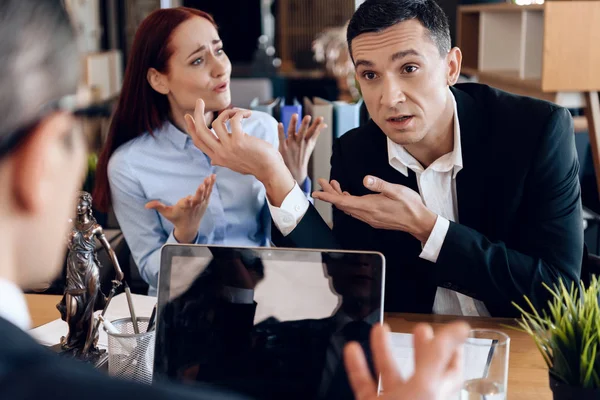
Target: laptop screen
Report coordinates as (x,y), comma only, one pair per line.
(266,322)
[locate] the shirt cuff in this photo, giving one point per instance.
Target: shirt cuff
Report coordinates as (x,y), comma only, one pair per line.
(173,240)
(434,244)
(238,295)
(293,208)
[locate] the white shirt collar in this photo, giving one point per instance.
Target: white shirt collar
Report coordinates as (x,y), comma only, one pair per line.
(341,318)
(402,160)
(13,306)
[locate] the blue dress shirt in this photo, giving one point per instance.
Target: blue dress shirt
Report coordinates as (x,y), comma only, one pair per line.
(166,166)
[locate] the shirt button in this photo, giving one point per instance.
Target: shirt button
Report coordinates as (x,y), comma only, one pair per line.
(297,208)
(287,219)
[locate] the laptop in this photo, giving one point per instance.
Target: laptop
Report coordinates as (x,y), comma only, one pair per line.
(270,323)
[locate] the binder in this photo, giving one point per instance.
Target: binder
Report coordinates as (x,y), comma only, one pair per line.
(286,114)
(346,116)
(320,161)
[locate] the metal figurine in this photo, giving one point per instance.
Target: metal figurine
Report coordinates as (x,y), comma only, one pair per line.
(82,294)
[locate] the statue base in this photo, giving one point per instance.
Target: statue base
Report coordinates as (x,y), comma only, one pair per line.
(96,357)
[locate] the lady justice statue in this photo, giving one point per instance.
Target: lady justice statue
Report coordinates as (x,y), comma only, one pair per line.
(82,294)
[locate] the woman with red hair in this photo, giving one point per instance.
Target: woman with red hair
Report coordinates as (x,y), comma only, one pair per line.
(161,187)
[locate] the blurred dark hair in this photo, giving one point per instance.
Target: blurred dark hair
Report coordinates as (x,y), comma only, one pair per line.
(39,62)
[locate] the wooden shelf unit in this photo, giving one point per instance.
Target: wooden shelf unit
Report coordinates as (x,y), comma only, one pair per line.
(540,49)
(299,22)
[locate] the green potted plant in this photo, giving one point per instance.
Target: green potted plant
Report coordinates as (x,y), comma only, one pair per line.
(568,336)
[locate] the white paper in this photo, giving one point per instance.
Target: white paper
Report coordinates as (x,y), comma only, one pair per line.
(476,358)
(49,334)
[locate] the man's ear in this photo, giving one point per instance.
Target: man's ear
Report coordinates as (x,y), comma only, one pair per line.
(454,59)
(158,81)
(37,163)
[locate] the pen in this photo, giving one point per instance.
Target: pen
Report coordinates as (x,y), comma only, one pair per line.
(109,327)
(152,319)
(136,329)
(113,330)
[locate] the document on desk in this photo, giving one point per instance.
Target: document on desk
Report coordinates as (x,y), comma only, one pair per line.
(403,352)
(49,334)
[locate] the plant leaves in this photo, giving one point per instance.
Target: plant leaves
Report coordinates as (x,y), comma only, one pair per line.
(567,333)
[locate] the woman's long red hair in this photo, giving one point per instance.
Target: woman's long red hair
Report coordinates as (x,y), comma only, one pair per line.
(140,108)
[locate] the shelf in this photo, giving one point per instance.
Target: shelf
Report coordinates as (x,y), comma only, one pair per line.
(511,78)
(510,81)
(499,7)
(536,40)
(303,74)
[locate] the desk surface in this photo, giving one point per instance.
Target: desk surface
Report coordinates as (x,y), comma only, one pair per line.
(527,377)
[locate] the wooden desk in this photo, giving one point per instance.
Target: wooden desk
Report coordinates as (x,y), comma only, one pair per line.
(527,374)
(42,308)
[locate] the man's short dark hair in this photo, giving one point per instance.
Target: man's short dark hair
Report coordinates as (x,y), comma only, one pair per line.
(378,15)
(39,61)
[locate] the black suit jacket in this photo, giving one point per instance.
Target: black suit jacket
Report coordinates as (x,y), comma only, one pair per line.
(30,372)
(217,342)
(519,209)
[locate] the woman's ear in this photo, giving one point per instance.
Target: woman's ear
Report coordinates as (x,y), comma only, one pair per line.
(158,81)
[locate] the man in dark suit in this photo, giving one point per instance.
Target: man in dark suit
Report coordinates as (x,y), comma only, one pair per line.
(471,193)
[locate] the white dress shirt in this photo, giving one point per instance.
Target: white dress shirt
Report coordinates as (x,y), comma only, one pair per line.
(437,187)
(13,306)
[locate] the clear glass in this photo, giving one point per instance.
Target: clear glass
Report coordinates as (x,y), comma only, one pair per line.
(486,355)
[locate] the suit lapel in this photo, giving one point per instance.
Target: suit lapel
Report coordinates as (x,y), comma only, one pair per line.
(470,181)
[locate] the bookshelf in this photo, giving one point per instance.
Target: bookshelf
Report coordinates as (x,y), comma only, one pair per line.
(299,21)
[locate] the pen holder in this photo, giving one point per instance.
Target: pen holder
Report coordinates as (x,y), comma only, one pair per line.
(131,355)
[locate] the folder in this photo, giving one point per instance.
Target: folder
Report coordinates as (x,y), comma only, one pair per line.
(320,165)
(286,114)
(346,116)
